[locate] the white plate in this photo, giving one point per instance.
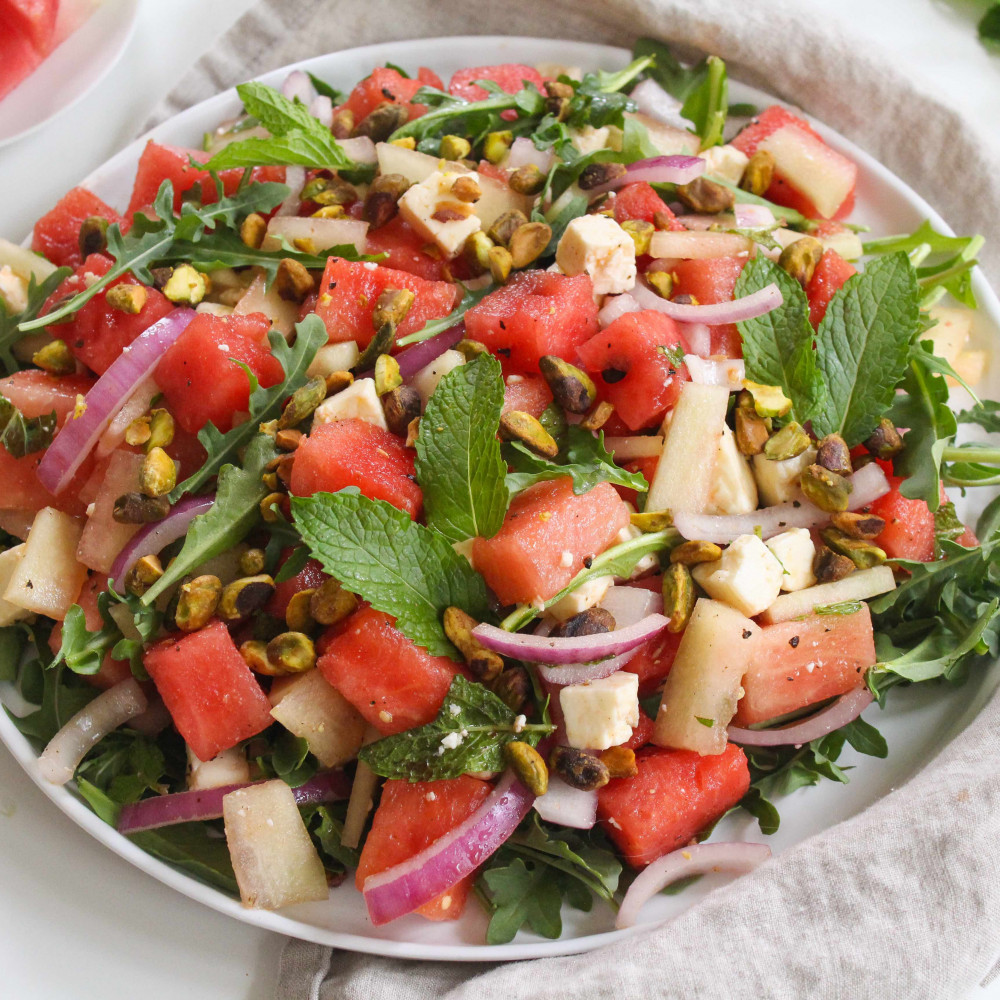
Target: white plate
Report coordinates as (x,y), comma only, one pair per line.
(71,71)
(919,722)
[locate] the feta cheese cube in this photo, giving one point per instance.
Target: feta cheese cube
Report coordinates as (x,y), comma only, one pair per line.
(601,714)
(734,490)
(587,596)
(426,380)
(589,139)
(598,246)
(726,162)
(437,215)
(779,481)
(747,577)
(795,551)
(359,401)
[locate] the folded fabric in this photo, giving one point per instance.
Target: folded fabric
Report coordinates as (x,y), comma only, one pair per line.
(901,901)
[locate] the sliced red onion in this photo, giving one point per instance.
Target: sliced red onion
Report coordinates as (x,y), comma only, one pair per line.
(109,710)
(699,859)
(401,889)
(321,108)
(109,394)
(728,372)
(869,484)
(616,306)
(748,307)
(698,337)
(135,406)
(651,99)
(295,178)
(845,709)
(419,356)
(677,169)
(567,806)
(524,153)
(360,149)
(753,216)
(194,806)
(298,85)
(154,538)
(569,649)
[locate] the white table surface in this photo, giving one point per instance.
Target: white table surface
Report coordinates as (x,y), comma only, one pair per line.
(76,921)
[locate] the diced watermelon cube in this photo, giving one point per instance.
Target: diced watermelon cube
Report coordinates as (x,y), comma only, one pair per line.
(710,281)
(388,85)
(640,201)
(57,233)
(528,393)
(831,273)
(405,250)
(509,77)
(35,19)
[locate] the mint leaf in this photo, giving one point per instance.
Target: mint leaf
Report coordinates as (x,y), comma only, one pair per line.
(458,462)
(398,566)
(863,345)
(228,521)
(778,346)
(265,404)
(10,322)
(296,136)
(468,735)
(582,456)
(21,435)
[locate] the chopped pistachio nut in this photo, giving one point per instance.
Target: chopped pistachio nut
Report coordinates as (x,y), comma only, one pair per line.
(649,521)
(578,768)
(790,441)
(273,507)
(513,687)
(620,762)
(768,400)
(143,575)
(527,179)
(161,429)
(196,602)
(516,425)
(833,454)
(254,653)
(343,124)
(504,225)
(293,281)
(392,306)
(641,233)
(662,282)
(857,525)
(467,189)
(528,242)
(830,566)
(598,416)
(800,258)
(138,432)
(704,195)
(331,604)
(302,403)
(758,173)
(252,562)
(297,614)
(572,388)
(596,175)
(501,263)
(678,596)
(382,122)
(127,298)
(252,230)
(387,374)
(288,439)
(55,358)
(455,147)
(406,142)
(471,349)
(885,441)
(186,285)
(752,433)
(694,552)
(93,236)
(826,489)
(863,553)
(482,662)
(496,145)
(159,473)
(477,252)
(336,381)
(291,653)
(402,407)
(529,766)
(244,596)
(137,508)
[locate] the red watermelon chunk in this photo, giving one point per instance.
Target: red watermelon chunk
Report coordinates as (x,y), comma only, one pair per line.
(356,453)
(631,371)
(828,278)
(404,250)
(409,818)
(389,85)
(35,19)
(640,201)
(210,692)
(547,534)
(199,374)
(805,661)
(350,289)
(534,314)
(528,393)
(57,233)
(509,77)
(676,794)
(394,683)
(707,282)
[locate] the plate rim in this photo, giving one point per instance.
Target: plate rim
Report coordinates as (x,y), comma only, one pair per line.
(89,822)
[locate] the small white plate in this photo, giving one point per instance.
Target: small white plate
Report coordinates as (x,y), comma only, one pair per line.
(919,720)
(71,71)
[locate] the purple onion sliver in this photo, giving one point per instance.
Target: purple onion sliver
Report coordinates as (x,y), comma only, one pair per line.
(579,673)
(748,307)
(657,170)
(844,710)
(77,437)
(153,538)
(421,355)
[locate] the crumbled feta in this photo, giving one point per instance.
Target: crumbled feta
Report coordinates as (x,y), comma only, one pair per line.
(779,481)
(726,162)
(437,215)
(454,709)
(431,796)
(452,741)
(601,714)
(734,490)
(359,401)
(566,559)
(519,723)
(747,577)
(795,551)
(598,246)
(585,596)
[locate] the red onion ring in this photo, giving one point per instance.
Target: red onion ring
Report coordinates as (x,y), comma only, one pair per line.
(616,306)
(569,649)
(152,539)
(298,85)
(699,859)
(194,806)
(295,178)
(524,153)
(869,484)
(675,169)
(753,216)
(845,709)
(567,806)
(728,372)
(651,99)
(419,356)
(107,396)
(321,108)
(401,889)
(109,710)
(748,307)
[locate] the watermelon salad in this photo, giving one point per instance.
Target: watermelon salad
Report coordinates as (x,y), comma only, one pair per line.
(480,488)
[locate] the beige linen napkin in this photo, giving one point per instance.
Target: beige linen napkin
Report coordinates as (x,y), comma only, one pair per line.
(901,902)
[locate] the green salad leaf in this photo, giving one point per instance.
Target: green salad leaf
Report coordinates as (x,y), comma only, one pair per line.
(469,735)
(458,464)
(400,567)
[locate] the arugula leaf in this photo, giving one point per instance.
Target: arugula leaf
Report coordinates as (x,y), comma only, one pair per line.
(324,89)
(325,824)
(458,462)
(863,346)
(288,758)
(778,346)
(707,105)
(20,435)
(296,136)
(986,415)
(192,848)
(265,404)
(10,322)
(228,521)
(619,560)
(470,298)
(673,76)
(468,735)
(398,566)
(582,455)
(125,765)
(989,26)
